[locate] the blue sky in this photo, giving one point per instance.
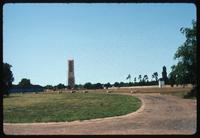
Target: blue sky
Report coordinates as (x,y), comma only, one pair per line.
(106,41)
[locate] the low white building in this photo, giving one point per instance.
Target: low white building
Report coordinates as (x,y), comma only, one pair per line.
(161,83)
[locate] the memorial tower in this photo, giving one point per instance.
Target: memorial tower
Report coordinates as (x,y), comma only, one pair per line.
(71,78)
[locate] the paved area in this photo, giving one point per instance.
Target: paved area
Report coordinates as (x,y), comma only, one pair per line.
(159,114)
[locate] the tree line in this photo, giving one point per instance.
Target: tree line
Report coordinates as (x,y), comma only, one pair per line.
(142,81)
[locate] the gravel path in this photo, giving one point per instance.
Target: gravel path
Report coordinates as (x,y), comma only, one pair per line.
(159,114)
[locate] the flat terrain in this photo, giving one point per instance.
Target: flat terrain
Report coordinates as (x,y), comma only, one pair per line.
(159,114)
(44,107)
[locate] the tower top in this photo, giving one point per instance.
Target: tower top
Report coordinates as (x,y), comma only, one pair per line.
(70,59)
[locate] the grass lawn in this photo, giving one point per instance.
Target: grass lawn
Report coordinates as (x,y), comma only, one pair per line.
(21,108)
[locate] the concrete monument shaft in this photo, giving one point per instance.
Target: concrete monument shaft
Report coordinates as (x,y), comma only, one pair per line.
(71,78)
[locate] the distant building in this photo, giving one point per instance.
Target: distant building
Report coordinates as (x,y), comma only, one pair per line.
(71,77)
(161,82)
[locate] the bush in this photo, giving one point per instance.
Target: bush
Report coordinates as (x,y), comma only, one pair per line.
(192,93)
(7,79)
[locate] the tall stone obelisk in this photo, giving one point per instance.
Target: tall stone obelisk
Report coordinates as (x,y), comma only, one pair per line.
(71,77)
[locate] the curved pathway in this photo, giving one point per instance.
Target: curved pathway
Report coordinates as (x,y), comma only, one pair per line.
(159,114)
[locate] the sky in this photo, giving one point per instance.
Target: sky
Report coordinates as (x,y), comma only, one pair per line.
(106,41)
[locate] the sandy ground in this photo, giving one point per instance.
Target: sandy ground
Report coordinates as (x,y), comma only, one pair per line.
(159,114)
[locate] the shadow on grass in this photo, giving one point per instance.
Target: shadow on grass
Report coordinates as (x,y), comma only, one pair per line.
(11,96)
(184,95)
(192,94)
(189,96)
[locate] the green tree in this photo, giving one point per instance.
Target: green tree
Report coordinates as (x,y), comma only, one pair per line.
(130,84)
(140,78)
(129,77)
(121,84)
(135,80)
(179,75)
(107,85)
(7,78)
(78,86)
(186,69)
(145,78)
(98,86)
(186,54)
(60,86)
(155,76)
(88,85)
(172,76)
(25,83)
(116,84)
(48,87)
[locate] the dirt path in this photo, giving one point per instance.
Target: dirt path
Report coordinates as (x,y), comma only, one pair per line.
(160,114)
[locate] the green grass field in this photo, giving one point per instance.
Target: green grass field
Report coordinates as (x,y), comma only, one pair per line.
(21,108)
